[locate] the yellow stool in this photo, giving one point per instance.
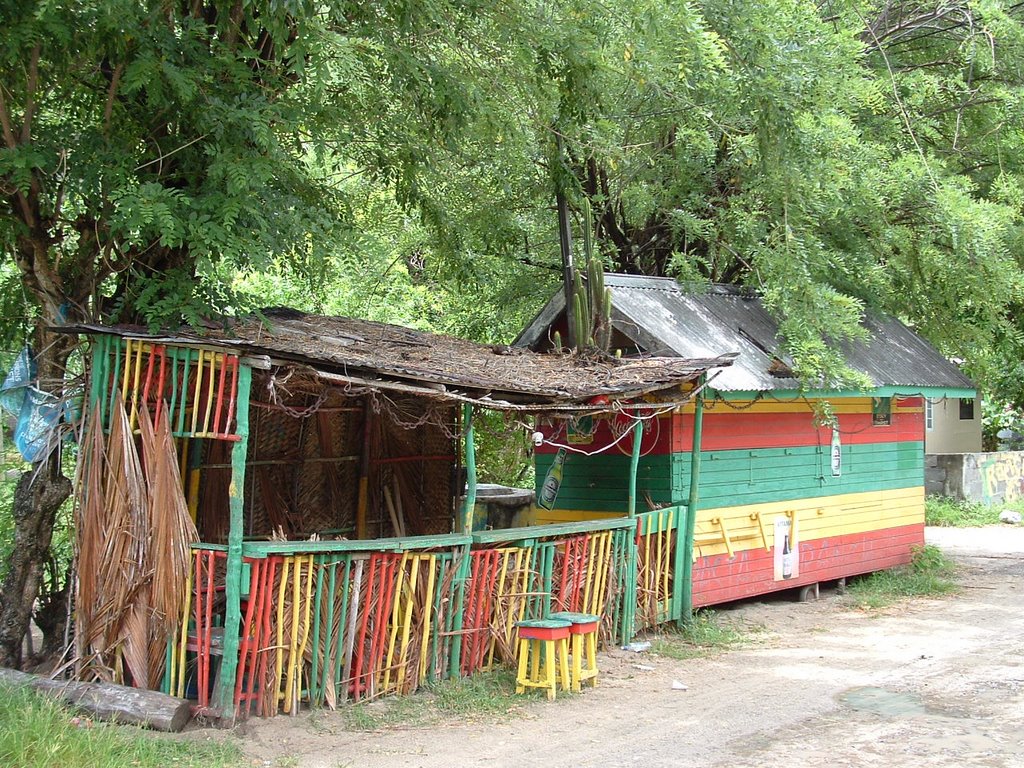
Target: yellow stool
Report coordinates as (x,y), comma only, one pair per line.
(548,638)
(583,630)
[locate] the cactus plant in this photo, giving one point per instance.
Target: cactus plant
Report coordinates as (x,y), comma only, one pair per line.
(591,311)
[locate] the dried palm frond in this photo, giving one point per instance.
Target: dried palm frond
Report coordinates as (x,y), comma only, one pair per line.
(89,525)
(171,531)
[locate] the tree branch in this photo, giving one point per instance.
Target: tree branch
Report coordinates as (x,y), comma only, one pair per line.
(12,143)
(108,111)
(5,123)
(30,94)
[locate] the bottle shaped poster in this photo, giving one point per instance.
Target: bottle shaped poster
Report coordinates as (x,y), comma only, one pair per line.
(552,482)
(837,454)
(786,555)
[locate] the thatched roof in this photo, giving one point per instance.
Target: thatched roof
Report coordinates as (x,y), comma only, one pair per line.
(387,356)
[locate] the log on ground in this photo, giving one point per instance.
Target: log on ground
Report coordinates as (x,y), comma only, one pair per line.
(107,701)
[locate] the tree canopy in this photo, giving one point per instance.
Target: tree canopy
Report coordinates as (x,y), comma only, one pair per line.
(164,160)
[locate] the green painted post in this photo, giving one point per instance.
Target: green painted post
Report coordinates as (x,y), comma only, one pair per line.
(233,613)
(98,345)
(629,602)
(686,574)
(676,610)
(465,525)
(314,677)
(461,577)
(115,384)
(548,576)
(634,464)
(466,519)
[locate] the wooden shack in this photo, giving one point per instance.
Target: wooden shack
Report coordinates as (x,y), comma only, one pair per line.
(793,487)
(277,510)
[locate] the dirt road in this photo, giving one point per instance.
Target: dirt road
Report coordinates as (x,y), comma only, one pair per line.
(929,683)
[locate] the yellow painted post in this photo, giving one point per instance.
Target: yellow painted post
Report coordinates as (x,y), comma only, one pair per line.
(279,658)
(407,621)
(293,644)
(427,616)
(396,611)
(307,609)
(210,392)
(198,392)
(140,352)
(183,640)
(596,602)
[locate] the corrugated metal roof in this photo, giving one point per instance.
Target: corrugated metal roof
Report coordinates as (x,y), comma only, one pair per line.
(667,318)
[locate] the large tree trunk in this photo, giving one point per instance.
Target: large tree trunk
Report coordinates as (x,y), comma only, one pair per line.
(37,498)
(36,501)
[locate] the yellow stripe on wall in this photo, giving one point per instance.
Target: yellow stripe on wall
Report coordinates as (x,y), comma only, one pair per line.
(753,526)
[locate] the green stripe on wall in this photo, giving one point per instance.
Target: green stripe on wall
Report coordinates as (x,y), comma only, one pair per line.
(729,478)
(601,482)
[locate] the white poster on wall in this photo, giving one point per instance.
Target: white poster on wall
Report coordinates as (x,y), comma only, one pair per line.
(787,550)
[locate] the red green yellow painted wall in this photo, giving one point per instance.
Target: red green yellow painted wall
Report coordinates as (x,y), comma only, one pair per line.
(762,461)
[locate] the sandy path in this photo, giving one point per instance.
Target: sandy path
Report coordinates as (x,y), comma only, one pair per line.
(930,683)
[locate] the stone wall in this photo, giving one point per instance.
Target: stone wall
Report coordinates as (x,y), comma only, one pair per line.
(991,478)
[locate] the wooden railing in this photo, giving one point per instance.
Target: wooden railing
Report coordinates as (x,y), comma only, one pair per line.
(328,621)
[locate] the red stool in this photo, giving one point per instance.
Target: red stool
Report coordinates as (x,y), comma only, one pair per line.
(548,638)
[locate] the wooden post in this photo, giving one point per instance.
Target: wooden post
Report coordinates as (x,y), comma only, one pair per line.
(466,518)
(223,696)
(363,500)
(686,575)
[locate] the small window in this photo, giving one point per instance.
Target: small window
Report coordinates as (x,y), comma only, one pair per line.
(929,415)
(881,411)
(966,409)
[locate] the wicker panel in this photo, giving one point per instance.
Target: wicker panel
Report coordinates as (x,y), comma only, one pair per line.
(304,462)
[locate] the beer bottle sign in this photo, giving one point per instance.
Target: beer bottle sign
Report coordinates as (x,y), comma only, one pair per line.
(553,481)
(787,559)
(787,550)
(837,455)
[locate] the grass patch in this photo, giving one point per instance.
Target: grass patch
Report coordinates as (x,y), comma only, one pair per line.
(37,732)
(483,696)
(929,574)
(951,513)
(702,637)
(492,694)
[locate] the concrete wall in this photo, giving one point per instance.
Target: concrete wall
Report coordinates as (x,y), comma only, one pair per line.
(950,433)
(991,478)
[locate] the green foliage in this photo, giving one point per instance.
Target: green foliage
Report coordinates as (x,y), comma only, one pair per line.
(997,417)
(952,513)
(36,732)
(929,574)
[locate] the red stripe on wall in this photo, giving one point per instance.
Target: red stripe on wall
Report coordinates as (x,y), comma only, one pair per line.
(728,429)
(719,579)
(738,430)
(605,430)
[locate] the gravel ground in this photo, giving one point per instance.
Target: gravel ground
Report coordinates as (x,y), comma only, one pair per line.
(926,683)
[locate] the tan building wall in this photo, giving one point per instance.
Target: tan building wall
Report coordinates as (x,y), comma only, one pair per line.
(946,430)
